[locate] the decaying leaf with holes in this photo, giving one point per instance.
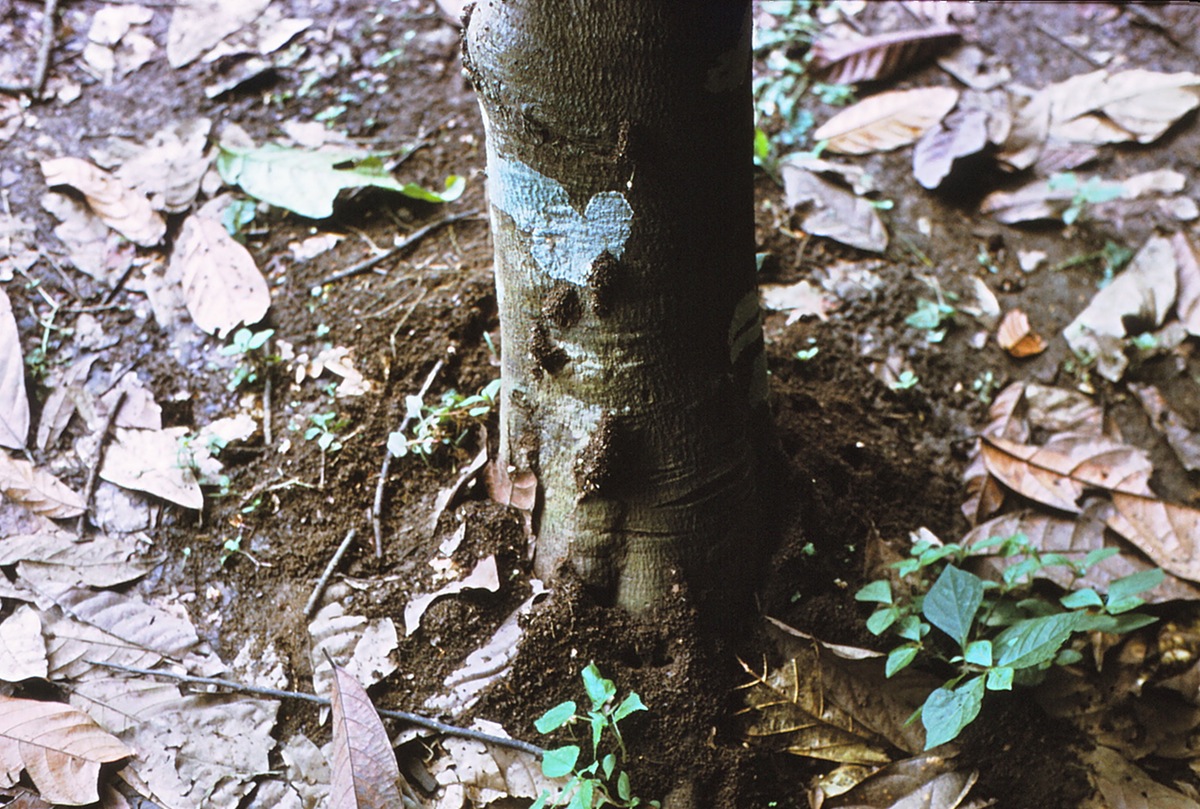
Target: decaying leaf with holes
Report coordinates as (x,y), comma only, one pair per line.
(124,210)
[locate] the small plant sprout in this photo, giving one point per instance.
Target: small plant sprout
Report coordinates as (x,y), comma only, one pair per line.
(324,430)
(247,345)
(604,781)
(907,379)
(806,354)
(445,424)
(934,316)
(1092,192)
(993,634)
(985,386)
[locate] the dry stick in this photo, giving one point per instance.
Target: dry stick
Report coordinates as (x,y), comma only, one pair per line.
(311,604)
(377,508)
(403,716)
(93,477)
(408,241)
(1051,35)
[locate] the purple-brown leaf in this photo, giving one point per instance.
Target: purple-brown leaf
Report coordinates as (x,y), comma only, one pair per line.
(365,773)
(840,61)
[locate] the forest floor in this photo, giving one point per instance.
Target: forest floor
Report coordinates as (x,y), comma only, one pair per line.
(887,356)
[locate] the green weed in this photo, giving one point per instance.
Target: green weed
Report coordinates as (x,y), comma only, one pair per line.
(994,635)
(1092,192)
(445,424)
(604,780)
(253,362)
(324,429)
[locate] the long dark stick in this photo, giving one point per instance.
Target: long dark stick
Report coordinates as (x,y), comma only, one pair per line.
(408,241)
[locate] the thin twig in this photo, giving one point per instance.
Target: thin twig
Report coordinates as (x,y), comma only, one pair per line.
(93,478)
(403,716)
(1051,35)
(377,507)
(311,604)
(371,263)
(268,439)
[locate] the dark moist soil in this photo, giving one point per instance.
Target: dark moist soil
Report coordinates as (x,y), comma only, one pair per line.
(855,462)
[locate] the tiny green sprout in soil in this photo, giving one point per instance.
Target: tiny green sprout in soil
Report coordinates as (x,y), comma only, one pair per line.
(1092,192)
(905,381)
(445,425)
(604,780)
(992,635)
(325,428)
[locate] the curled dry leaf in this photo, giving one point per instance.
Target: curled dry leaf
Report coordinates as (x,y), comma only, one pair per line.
(963,133)
(123,209)
(14,402)
(1017,338)
(364,770)
(1187,304)
(60,748)
(836,213)
(1166,532)
(221,283)
(928,780)
(887,121)
(1136,105)
(842,61)
(36,490)
(485,576)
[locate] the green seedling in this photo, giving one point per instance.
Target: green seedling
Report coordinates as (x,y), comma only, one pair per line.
(1092,192)
(324,429)
(905,381)
(993,634)
(604,780)
(806,354)
(985,386)
(253,361)
(443,425)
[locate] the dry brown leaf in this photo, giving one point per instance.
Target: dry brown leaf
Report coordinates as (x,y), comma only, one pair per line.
(197,25)
(1137,105)
(14,402)
(101,561)
(22,650)
(124,210)
(1183,439)
(36,490)
(887,121)
(928,781)
(510,487)
(364,770)
(1017,338)
(842,61)
(1121,784)
(985,495)
(962,133)
(485,576)
(153,461)
(169,167)
(1166,532)
(1027,138)
(800,300)
(60,748)
(222,285)
(1058,473)
(836,213)
(1187,302)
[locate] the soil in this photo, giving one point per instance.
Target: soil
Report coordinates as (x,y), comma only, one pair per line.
(857,463)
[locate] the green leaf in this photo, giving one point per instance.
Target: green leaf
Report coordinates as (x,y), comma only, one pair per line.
(541,801)
(1067,657)
(1035,640)
(599,722)
(1127,587)
(900,657)
(599,689)
(879,592)
(1097,556)
(560,761)
(947,712)
(624,792)
(979,653)
(912,628)
(607,765)
(952,602)
(881,619)
(631,704)
(1000,679)
(583,798)
(1021,571)
(307,182)
(1081,599)
(1116,624)
(556,717)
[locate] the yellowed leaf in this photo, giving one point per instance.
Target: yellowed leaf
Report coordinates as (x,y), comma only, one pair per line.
(37,490)
(887,121)
(60,748)
(221,283)
(122,209)
(1166,532)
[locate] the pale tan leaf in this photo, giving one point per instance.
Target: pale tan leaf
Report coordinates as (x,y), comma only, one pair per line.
(14,402)
(222,285)
(1121,784)
(844,61)
(92,246)
(1166,532)
(489,773)
(366,645)
(1029,203)
(799,300)
(1017,338)
(169,167)
(364,770)
(153,461)
(927,781)
(485,576)
(197,25)
(1058,473)
(1141,103)
(66,389)
(37,490)
(124,210)
(974,68)
(961,134)
(1187,303)
(836,213)
(1027,138)
(22,650)
(1183,439)
(119,704)
(102,561)
(887,121)
(1075,538)
(60,748)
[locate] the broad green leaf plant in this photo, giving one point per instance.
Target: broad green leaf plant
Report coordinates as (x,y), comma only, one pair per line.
(993,634)
(603,781)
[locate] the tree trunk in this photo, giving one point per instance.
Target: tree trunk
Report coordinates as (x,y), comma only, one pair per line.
(620,177)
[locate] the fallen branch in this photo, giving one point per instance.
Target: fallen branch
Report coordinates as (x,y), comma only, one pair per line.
(311,604)
(377,506)
(371,263)
(275,693)
(93,478)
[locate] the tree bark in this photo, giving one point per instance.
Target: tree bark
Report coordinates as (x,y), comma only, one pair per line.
(620,178)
